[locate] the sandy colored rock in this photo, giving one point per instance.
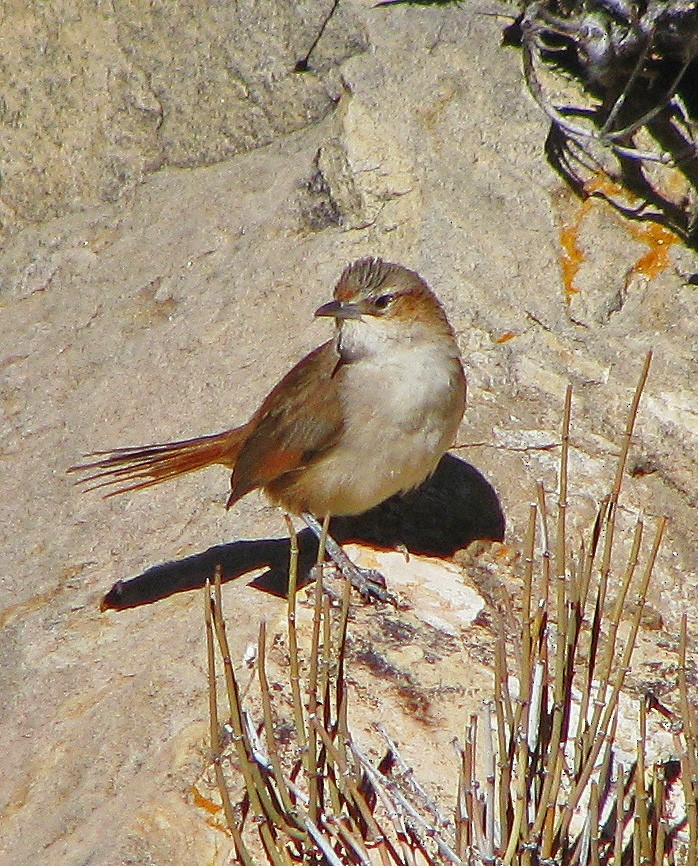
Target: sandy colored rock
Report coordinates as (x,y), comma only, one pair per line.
(96,97)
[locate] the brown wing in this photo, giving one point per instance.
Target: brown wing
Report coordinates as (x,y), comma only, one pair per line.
(299,419)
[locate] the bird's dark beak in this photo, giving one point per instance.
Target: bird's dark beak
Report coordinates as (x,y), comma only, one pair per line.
(339,310)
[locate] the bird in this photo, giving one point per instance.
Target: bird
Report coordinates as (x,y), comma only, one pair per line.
(366,415)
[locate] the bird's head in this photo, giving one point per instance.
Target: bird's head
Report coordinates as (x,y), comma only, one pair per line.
(376,301)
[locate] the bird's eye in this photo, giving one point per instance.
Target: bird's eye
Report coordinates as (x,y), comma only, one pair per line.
(382,302)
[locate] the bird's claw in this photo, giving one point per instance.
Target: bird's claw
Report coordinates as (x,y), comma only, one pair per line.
(369,583)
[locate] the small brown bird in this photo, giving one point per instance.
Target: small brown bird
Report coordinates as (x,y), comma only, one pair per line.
(364,416)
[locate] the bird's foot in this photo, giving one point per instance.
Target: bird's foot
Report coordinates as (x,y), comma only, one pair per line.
(369,582)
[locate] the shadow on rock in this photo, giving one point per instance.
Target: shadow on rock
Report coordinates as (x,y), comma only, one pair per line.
(452,508)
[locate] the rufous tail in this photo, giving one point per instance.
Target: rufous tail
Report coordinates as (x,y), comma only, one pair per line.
(152,464)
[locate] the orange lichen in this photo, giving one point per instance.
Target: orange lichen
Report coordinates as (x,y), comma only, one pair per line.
(506,336)
(204,803)
(212,808)
(572,254)
(656,259)
(602,183)
(658,238)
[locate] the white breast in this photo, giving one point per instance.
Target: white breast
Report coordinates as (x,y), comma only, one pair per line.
(403,402)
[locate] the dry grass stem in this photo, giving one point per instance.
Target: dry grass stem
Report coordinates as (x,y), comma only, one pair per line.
(540,777)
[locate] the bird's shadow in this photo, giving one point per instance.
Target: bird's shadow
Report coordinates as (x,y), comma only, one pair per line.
(452,508)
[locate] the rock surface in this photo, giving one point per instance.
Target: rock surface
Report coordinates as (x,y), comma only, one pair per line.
(162,305)
(115,91)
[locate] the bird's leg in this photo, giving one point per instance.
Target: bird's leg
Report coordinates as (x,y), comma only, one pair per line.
(322,541)
(369,582)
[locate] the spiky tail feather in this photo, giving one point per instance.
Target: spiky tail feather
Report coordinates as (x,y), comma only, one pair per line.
(152,464)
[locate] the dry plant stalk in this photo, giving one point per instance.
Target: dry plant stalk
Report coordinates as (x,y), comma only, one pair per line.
(548,745)
(616,79)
